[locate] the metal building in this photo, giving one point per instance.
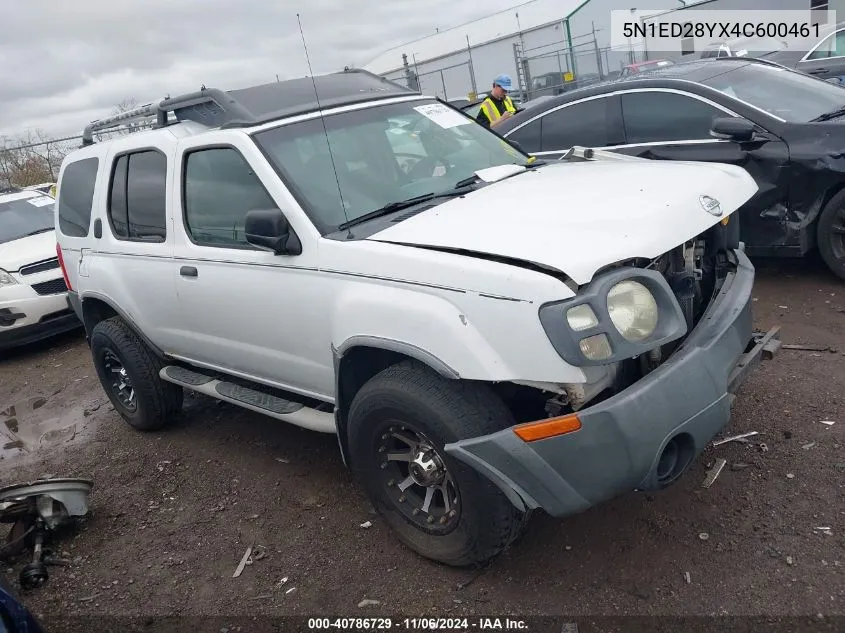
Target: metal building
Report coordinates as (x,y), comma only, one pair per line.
(692,49)
(541,44)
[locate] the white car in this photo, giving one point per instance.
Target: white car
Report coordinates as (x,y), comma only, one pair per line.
(33,293)
(485,333)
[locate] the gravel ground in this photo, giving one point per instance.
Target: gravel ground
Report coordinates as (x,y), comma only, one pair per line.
(173,512)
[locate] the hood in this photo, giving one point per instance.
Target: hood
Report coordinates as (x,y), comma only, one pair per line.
(27,250)
(579,217)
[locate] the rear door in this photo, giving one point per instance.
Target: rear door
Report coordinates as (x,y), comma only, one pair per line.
(671,124)
(132,237)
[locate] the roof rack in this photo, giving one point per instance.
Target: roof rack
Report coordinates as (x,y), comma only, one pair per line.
(258,104)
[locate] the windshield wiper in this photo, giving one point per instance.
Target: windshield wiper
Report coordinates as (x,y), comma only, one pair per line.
(50,228)
(398,205)
(474,179)
(827,116)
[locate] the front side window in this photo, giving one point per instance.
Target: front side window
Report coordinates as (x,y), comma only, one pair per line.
(790,95)
(76,196)
(219,189)
(653,117)
(365,159)
(137,197)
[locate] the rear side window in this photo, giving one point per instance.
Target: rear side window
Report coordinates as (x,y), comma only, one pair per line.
(219,189)
(137,197)
(76,196)
(582,123)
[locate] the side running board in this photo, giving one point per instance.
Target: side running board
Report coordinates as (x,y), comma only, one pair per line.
(253,399)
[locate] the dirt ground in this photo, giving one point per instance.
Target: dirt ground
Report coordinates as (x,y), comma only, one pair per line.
(173,512)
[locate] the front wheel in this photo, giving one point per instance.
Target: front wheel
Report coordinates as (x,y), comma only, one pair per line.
(438,506)
(831,234)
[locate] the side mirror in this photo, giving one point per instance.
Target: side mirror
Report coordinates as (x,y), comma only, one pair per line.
(833,80)
(732,128)
(269,229)
(516,145)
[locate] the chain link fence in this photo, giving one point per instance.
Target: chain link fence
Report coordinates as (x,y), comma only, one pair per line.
(550,71)
(456,81)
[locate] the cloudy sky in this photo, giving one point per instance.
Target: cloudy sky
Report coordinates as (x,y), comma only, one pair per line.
(64,63)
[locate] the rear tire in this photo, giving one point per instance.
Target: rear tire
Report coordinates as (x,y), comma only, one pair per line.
(410,400)
(129,373)
(830,234)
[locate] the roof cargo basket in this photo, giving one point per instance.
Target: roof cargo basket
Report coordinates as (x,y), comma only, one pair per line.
(258,104)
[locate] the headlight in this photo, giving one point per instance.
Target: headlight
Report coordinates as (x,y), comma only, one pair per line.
(620,314)
(633,310)
(6,279)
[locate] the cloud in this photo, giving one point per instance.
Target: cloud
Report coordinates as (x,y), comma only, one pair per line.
(67,63)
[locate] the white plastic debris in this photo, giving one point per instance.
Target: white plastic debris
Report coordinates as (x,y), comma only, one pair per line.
(704,536)
(367,524)
(714,472)
(807,447)
(240,568)
(687,577)
(824,530)
(735,438)
(828,422)
(790,476)
(366,602)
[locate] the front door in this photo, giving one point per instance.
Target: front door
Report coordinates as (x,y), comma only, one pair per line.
(673,125)
(246,311)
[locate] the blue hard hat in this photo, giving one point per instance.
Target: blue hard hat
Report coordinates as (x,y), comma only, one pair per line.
(504,81)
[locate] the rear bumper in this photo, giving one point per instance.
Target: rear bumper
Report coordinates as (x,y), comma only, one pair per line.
(672,413)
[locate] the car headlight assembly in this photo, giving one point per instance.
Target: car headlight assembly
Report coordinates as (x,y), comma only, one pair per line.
(6,279)
(619,315)
(633,310)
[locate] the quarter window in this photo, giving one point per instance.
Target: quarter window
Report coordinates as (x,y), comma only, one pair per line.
(651,117)
(219,189)
(138,197)
(76,196)
(582,124)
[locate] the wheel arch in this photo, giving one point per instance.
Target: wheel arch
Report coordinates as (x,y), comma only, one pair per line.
(97,308)
(358,359)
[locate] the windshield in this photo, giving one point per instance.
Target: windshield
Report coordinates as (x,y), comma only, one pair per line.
(381,154)
(792,96)
(27,216)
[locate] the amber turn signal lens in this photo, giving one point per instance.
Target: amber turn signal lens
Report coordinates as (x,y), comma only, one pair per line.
(545,429)
(725,221)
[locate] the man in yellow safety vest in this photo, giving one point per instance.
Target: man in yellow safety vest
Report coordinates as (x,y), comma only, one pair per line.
(498,105)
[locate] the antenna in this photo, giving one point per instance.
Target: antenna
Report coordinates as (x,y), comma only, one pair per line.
(325,130)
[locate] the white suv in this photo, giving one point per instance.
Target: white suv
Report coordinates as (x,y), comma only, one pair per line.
(33,294)
(486,334)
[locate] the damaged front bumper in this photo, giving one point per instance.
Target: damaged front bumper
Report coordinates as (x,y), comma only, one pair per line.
(642,438)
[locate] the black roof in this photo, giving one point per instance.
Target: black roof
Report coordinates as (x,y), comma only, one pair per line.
(697,71)
(264,103)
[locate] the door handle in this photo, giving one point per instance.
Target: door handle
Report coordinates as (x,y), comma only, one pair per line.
(188,271)
(817,71)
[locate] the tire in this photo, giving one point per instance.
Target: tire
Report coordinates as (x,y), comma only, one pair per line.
(156,402)
(412,396)
(830,242)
